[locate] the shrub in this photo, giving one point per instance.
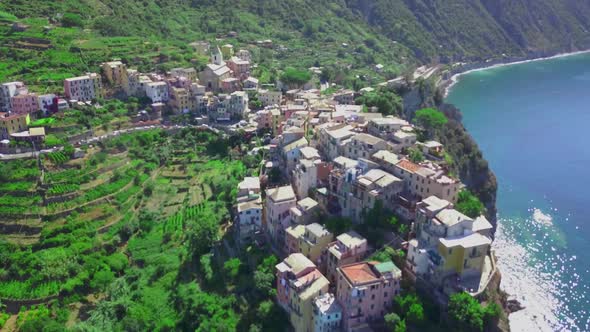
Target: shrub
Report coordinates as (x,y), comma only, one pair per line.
(469,204)
(72,20)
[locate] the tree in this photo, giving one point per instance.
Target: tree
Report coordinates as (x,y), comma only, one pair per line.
(263,282)
(411,308)
(469,204)
(102,279)
(206,268)
(72,20)
(466,314)
(392,320)
(415,155)
(431,119)
(232,267)
(295,77)
(338,225)
(386,101)
(415,314)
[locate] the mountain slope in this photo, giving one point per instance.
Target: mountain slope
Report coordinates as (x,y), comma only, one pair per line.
(452,30)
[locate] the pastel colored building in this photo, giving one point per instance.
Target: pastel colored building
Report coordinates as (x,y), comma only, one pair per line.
(279,202)
(448,245)
(25,103)
(428,179)
(375,185)
(9,90)
(366,291)
(189,73)
(327,314)
(332,139)
(349,247)
(385,127)
(48,103)
(157,92)
(116,74)
(345,97)
(83,88)
(363,146)
(291,154)
(299,282)
(15,123)
(304,212)
(239,67)
(314,240)
(270,97)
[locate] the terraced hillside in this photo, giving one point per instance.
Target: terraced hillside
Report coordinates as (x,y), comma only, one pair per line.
(138,209)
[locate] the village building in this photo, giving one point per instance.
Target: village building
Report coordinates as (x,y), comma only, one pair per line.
(366,291)
(9,90)
(83,88)
(450,250)
(299,282)
(25,103)
(13,123)
(116,74)
(349,247)
(278,204)
(327,314)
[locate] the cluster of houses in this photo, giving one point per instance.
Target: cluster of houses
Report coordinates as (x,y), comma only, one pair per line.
(340,159)
(220,91)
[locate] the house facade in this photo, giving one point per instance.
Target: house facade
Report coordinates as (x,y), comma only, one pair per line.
(366,291)
(83,88)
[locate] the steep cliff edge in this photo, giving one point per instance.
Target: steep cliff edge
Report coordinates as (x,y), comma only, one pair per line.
(468,161)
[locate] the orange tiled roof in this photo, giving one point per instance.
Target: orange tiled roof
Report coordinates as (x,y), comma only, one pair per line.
(359,273)
(408,165)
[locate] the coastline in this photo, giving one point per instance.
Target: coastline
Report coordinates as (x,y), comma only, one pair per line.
(448,84)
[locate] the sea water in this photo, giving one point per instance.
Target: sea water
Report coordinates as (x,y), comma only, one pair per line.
(532,122)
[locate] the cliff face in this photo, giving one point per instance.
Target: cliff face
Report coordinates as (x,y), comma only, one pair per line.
(468,161)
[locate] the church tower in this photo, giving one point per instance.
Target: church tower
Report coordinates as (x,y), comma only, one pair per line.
(217,57)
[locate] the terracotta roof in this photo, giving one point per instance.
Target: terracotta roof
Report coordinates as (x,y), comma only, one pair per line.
(359,273)
(408,165)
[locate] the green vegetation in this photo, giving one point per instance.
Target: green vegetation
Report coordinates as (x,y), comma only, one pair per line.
(415,155)
(294,77)
(469,204)
(430,118)
(466,314)
(387,101)
(129,260)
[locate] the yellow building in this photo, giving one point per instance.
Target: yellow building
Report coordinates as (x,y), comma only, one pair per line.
(227,50)
(11,124)
(464,255)
(299,282)
(314,240)
(116,74)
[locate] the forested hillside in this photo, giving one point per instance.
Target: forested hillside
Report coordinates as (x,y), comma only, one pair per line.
(477,29)
(393,32)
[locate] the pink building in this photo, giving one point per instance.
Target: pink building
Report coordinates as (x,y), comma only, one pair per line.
(240,67)
(279,202)
(349,247)
(366,290)
(230,85)
(24,103)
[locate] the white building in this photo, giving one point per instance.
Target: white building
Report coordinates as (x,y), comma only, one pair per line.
(327,314)
(9,90)
(157,92)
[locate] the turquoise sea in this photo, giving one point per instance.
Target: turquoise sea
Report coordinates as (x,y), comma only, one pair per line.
(532,122)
